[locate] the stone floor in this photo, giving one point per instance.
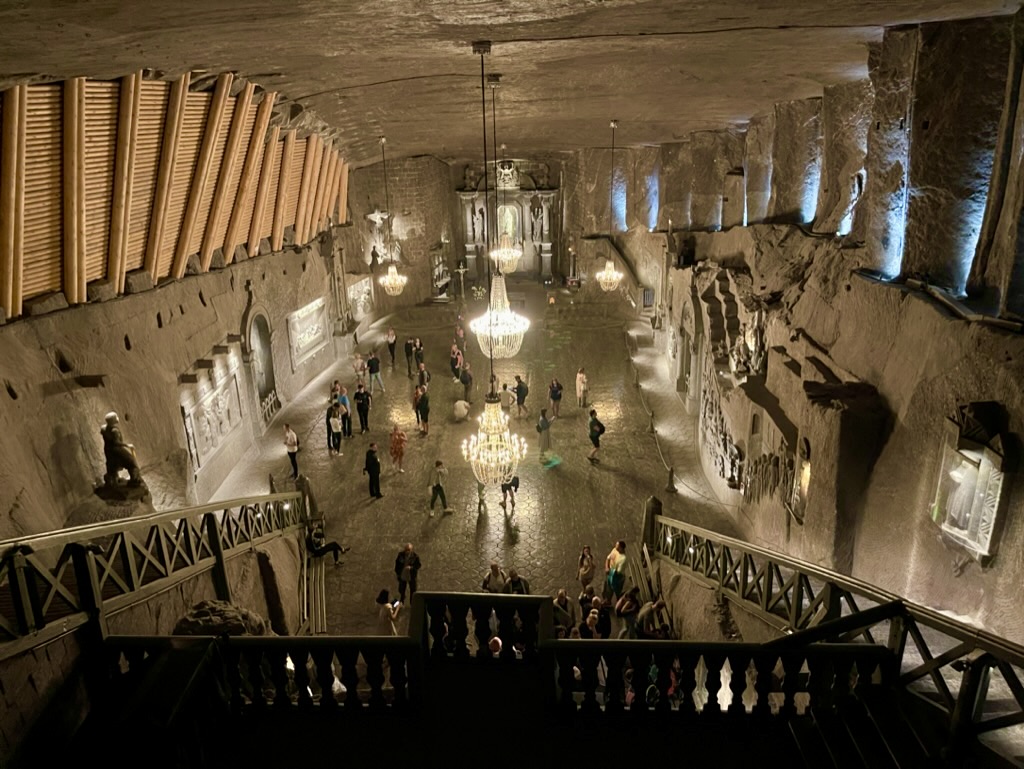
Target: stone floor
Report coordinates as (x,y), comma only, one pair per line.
(559,509)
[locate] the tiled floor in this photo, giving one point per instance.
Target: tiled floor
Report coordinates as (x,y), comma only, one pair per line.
(559,509)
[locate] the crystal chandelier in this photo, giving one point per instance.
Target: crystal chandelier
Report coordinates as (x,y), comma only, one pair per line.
(609,278)
(393,282)
(494,452)
(507,255)
(499,330)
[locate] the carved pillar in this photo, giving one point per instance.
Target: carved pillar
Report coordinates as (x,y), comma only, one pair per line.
(546,199)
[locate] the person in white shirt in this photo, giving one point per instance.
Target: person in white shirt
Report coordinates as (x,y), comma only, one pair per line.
(495,580)
(291,444)
(581,388)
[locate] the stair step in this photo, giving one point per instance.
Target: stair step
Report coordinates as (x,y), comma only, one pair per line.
(811,744)
(873,748)
(901,736)
(837,740)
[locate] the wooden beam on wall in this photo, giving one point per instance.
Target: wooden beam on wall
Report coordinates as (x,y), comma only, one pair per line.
(124,167)
(309,169)
(74,190)
(262,192)
(277,238)
(343,195)
(165,172)
(12,197)
(332,190)
(219,207)
(326,169)
(259,130)
(201,175)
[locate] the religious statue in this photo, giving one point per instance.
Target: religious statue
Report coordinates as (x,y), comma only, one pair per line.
(537,219)
(119,455)
(478,226)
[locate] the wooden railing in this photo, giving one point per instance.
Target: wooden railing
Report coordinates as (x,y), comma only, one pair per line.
(969,678)
(53,583)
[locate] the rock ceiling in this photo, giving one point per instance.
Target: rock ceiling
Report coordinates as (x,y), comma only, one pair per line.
(404,68)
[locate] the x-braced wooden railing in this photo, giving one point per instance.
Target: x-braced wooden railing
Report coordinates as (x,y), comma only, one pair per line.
(969,679)
(55,582)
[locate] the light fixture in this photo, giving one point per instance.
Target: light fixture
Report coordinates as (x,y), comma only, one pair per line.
(494,452)
(508,252)
(394,282)
(499,331)
(609,277)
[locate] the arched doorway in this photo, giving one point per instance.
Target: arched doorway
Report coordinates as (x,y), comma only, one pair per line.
(262,362)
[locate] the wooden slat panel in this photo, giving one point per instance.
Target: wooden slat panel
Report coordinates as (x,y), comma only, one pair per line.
(121,192)
(243,120)
(249,203)
(203,214)
(153,99)
(12,168)
(307,189)
(197,105)
(262,192)
(73,178)
(267,230)
(250,178)
(41,254)
(343,195)
(294,188)
(102,101)
(323,187)
(332,189)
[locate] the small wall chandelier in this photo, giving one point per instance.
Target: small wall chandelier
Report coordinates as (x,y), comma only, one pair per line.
(609,277)
(494,452)
(393,282)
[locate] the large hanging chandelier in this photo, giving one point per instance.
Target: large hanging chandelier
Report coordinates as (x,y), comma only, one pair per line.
(393,282)
(494,452)
(609,277)
(507,255)
(499,331)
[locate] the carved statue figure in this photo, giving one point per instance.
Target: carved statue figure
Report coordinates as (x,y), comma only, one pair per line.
(119,455)
(478,226)
(536,219)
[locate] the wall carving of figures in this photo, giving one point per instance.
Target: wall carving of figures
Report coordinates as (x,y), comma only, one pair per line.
(308,331)
(726,456)
(769,475)
(212,420)
(748,355)
(360,298)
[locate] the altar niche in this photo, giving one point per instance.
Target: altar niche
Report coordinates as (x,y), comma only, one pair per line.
(524,211)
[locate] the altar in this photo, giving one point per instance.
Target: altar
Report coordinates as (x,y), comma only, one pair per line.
(524,211)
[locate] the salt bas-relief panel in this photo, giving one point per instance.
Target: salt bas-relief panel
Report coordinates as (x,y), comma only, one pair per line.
(308,332)
(211,421)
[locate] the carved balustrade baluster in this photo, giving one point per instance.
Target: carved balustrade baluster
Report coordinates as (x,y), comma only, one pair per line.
(458,630)
(638,665)
(279,675)
(507,632)
(842,668)
(566,677)
(823,675)
(257,680)
(529,620)
(589,661)
(739,662)
(437,628)
(713,661)
(300,659)
(687,683)
(664,660)
(614,684)
(399,679)
(323,659)
(791,664)
(348,658)
(373,658)
(763,685)
(233,661)
(482,628)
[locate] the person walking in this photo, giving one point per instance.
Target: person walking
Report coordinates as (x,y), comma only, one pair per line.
(417,393)
(409,347)
(615,569)
(392,339)
(424,407)
(509,490)
(455,361)
(359,368)
(516,585)
(521,390)
(424,375)
(494,580)
(334,429)
(466,377)
(585,568)
(407,567)
(544,440)
(372,469)
(387,613)
(346,413)
(626,609)
(417,351)
(373,367)
(397,447)
(438,478)
(581,388)
(363,400)
(291,444)
(596,430)
(555,396)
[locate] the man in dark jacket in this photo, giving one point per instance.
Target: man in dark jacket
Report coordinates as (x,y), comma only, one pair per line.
(407,566)
(516,585)
(521,391)
(372,468)
(466,377)
(363,400)
(408,355)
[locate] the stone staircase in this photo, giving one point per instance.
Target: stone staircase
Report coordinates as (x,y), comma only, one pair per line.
(724,324)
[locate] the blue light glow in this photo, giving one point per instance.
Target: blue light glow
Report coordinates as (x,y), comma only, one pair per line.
(619,201)
(653,196)
(811,185)
(970,214)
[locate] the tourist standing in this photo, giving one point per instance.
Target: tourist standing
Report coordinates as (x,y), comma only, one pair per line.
(387,613)
(494,580)
(334,428)
(417,351)
(585,568)
(346,413)
(438,478)
(509,490)
(372,469)
(455,361)
(565,611)
(330,426)
(615,569)
(555,396)
(424,375)
(392,339)
(291,444)
(417,393)
(581,388)
(359,368)
(466,377)
(397,447)
(373,367)
(596,430)
(516,585)
(626,609)
(521,390)
(407,567)
(507,397)
(424,407)
(410,345)
(363,400)
(544,428)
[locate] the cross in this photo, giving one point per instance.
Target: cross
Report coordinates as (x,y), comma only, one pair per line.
(378,217)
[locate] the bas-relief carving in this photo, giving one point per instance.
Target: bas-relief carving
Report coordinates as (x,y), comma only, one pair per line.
(360,298)
(308,331)
(767,475)
(726,456)
(749,353)
(211,421)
